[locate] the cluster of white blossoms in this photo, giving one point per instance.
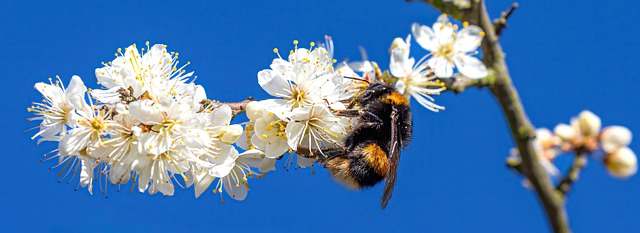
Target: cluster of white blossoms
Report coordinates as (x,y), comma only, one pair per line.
(307,89)
(448,48)
(585,136)
(150,124)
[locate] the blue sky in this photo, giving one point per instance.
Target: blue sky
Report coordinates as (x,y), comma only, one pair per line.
(563,56)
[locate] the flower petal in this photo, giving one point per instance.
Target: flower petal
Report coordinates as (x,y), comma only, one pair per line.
(441,67)
(425,37)
(397,63)
(145,111)
(267,165)
(470,66)
(274,84)
(236,189)
(468,39)
(203,183)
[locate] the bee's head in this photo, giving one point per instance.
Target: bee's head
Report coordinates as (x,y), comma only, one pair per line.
(374,91)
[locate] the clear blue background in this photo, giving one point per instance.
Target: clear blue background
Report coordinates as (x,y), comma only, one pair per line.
(564,57)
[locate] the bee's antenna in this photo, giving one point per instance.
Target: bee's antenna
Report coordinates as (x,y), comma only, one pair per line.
(359,79)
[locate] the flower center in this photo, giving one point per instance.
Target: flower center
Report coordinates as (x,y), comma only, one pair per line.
(298,95)
(445,51)
(278,128)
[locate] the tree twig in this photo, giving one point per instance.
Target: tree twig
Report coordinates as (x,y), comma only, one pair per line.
(579,162)
(236,107)
(521,128)
(458,83)
(501,23)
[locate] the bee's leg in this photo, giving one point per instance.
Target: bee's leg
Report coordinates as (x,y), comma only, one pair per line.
(321,155)
(347,113)
(371,120)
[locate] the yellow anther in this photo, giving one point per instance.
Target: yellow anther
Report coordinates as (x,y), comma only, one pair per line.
(481,33)
(465,24)
(312,44)
(295,42)
(275,50)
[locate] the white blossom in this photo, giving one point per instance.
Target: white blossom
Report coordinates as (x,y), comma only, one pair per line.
(58,107)
(156,73)
(305,79)
(450,48)
(414,79)
(235,182)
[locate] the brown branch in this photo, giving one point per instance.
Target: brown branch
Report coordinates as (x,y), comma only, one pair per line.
(579,162)
(521,128)
(236,107)
(458,83)
(501,23)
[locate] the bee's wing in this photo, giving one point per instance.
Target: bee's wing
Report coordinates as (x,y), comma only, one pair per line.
(394,158)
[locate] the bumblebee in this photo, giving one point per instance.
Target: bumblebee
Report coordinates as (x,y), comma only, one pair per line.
(371,151)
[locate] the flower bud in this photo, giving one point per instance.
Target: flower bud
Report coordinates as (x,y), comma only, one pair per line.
(231,134)
(614,138)
(589,123)
(254,110)
(397,43)
(622,163)
(565,132)
(545,138)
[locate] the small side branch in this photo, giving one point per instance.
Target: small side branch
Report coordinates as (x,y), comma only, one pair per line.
(458,83)
(501,23)
(579,162)
(236,107)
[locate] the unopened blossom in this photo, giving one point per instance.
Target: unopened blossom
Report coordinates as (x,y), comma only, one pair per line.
(622,163)
(414,79)
(155,72)
(582,132)
(566,133)
(451,48)
(614,138)
(589,123)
